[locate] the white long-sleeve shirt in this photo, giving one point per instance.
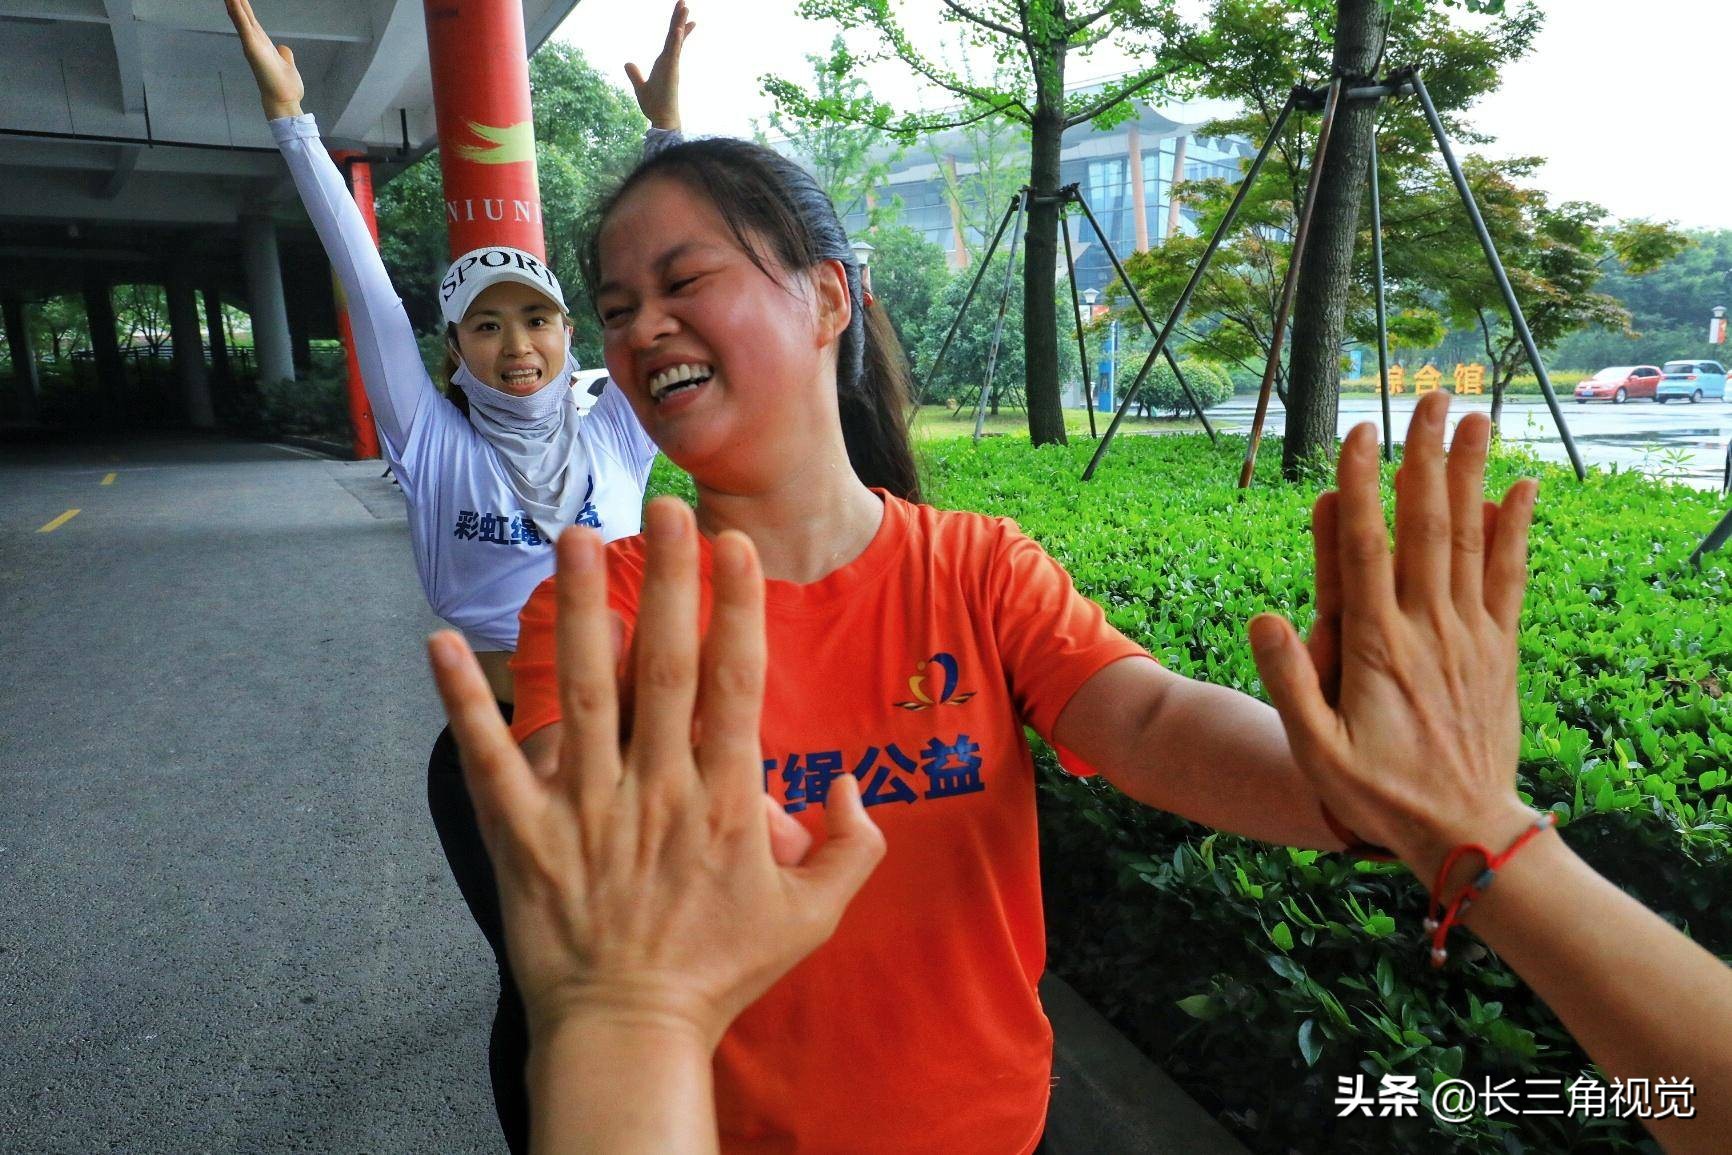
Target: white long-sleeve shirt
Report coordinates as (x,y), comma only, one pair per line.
(477,553)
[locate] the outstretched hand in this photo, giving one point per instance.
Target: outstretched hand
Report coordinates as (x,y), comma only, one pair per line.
(1405,718)
(659,96)
(641,880)
(273,65)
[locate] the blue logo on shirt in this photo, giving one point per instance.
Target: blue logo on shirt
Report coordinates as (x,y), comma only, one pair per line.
(500,528)
(885,773)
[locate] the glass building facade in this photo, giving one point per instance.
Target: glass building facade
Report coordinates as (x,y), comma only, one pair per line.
(1126,173)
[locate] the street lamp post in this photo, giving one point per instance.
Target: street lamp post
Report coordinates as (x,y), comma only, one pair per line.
(1103,399)
(863,257)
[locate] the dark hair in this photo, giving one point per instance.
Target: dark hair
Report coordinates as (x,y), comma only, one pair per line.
(770,202)
(453,391)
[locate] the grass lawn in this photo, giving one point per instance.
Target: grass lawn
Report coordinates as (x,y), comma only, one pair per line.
(933,423)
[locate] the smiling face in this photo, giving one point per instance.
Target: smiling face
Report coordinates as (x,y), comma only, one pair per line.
(513,338)
(730,369)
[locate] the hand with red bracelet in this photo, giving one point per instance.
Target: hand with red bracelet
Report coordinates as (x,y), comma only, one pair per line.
(1410,734)
(1406,723)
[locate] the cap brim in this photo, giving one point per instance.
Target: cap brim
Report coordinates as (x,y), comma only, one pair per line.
(464,299)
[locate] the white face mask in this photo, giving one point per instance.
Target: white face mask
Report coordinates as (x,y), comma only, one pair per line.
(531,408)
(539,441)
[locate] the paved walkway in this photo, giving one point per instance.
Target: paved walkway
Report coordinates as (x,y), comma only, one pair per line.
(227,923)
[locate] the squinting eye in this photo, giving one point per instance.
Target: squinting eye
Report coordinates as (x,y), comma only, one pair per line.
(683,283)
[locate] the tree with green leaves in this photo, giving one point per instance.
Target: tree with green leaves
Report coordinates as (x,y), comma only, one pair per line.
(1032,39)
(849,156)
(964,368)
(142,312)
(1555,255)
(56,325)
(1669,309)
(908,275)
(1255,52)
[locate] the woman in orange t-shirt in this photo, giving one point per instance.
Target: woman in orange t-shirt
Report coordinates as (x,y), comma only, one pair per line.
(907,647)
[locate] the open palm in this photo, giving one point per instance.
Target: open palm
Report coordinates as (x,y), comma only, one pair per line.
(658,96)
(273,65)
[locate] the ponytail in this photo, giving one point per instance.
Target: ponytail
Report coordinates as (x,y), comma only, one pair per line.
(779,216)
(875,411)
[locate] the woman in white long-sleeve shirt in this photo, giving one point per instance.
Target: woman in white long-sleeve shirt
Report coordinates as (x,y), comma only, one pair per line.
(492,473)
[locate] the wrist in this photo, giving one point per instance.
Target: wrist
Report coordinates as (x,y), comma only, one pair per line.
(666,123)
(1493,827)
(1540,862)
(620,1009)
(278,109)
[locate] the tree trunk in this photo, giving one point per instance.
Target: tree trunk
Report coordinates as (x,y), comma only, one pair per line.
(1500,382)
(1040,266)
(1320,303)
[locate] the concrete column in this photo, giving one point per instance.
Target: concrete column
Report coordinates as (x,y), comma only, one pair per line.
(300,341)
(1173,197)
(188,340)
(264,272)
(1134,150)
(213,319)
(105,345)
(24,375)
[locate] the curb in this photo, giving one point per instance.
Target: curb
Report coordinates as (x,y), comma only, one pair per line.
(1108,1096)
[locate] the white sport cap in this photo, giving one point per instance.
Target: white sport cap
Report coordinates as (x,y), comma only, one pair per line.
(477,269)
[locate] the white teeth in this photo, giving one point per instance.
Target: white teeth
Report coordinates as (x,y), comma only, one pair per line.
(668,378)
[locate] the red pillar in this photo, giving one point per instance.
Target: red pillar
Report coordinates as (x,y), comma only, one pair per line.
(359,175)
(486,136)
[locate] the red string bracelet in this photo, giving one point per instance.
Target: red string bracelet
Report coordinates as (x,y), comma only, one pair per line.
(1355,845)
(1439,928)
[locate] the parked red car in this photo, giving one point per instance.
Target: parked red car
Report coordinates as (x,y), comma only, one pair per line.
(1619,383)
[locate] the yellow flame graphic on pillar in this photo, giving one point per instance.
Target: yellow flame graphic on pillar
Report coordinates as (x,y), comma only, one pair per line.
(512,144)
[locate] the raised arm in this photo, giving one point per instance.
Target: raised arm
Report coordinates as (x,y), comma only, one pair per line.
(658,95)
(1415,749)
(391,368)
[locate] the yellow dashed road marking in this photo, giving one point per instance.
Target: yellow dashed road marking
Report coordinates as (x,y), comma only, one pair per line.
(109,480)
(59,521)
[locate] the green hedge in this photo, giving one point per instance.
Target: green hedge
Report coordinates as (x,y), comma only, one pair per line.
(1259,975)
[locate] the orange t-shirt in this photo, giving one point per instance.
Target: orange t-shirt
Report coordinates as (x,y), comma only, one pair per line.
(917,1027)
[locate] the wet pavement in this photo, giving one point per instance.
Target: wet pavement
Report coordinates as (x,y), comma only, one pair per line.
(1678,441)
(227,922)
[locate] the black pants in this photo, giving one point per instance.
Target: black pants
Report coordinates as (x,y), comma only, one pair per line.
(508,1047)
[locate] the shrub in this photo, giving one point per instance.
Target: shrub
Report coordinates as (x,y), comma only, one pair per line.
(1210,384)
(315,406)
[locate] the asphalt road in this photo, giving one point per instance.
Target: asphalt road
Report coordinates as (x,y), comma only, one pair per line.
(225,922)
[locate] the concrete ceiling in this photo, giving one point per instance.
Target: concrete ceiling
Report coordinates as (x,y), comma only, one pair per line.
(143,112)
